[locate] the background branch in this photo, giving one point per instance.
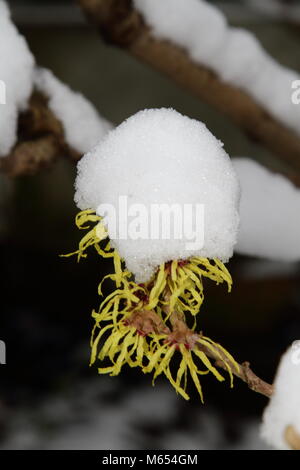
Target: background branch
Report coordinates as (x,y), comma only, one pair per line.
(121,25)
(40,140)
(40,133)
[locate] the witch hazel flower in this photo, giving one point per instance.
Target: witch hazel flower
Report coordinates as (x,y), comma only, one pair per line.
(158,159)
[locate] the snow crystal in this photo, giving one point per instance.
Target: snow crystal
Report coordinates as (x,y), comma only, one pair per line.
(269,213)
(16,71)
(159,156)
(83,126)
(284,407)
(233,53)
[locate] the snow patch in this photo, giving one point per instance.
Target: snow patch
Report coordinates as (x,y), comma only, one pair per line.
(159,156)
(269,213)
(83,126)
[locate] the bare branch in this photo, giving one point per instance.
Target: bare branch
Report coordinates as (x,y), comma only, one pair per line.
(121,25)
(245,374)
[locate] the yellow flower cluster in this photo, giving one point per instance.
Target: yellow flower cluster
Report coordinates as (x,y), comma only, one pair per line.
(144,325)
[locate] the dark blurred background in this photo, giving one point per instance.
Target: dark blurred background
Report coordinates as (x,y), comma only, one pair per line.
(49,397)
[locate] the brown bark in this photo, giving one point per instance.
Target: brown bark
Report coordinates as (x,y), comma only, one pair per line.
(246,374)
(30,156)
(121,25)
(40,140)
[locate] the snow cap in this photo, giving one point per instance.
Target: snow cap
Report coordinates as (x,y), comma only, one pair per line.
(156,157)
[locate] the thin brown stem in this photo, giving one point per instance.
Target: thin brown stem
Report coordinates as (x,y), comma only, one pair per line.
(245,373)
(183,334)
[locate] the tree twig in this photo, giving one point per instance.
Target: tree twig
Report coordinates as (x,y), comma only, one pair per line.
(182,334)
(121,25)
(292,438)
(245,373)
(40,140)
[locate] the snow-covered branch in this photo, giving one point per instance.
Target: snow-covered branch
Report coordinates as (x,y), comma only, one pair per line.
(40,140)
(122,25)
(57,121)
(269,209)
(50,128)
(40,117)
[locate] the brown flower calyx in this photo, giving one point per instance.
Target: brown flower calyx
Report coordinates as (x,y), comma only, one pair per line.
(181,333)
(146,322)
